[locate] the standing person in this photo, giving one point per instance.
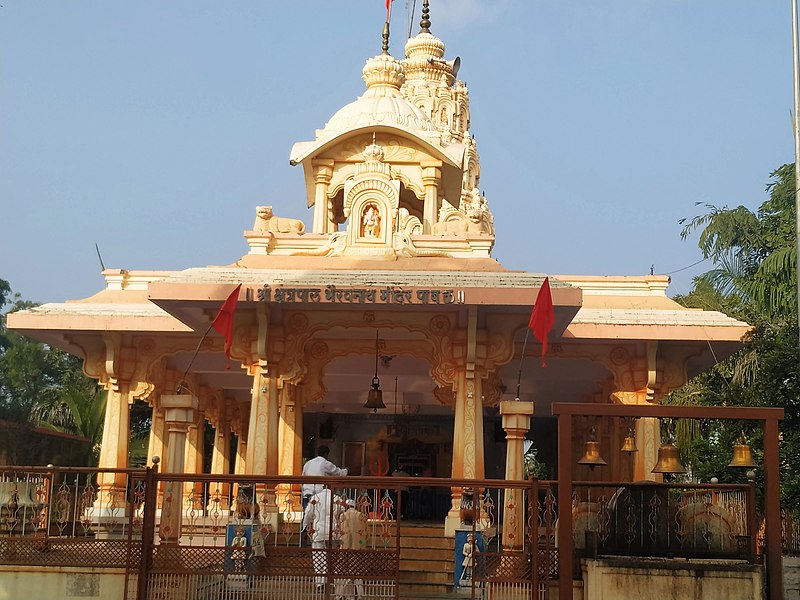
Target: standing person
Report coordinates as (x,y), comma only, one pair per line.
(353,525)
(319,466)
(324,530)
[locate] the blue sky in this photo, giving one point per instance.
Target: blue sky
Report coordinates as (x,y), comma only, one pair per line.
(155,128)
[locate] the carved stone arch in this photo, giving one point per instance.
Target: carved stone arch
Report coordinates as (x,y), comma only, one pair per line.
(433,345)
(414,186)
(472,173)
(372,208)
(321,353)
(425,105)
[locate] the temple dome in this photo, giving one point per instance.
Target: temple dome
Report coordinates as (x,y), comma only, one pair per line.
(425,60)
(382,103)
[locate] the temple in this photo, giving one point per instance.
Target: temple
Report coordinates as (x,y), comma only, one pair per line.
(390,287)
(400,248)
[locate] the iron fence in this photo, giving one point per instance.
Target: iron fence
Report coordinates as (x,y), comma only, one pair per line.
(243,537)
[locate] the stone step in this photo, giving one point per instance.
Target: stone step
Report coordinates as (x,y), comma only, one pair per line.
(422,554)
(432,543)
(426,564)
(442,577)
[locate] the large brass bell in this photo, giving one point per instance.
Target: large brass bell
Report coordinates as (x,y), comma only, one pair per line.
(742,457)
(668,460)
(629,444)
(591,455)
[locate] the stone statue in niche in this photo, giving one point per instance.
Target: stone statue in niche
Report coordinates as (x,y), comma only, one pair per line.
(371,222)
(266,222)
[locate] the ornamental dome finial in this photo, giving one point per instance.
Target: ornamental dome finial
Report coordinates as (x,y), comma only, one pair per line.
(425,22)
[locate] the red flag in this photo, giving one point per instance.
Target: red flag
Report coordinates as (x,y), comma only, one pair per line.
(542,316)
(223,322)
(388,9)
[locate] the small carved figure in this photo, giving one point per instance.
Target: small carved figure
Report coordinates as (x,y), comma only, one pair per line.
(371,222)
(239,552)
(268,222)
(469,550)
(246,506)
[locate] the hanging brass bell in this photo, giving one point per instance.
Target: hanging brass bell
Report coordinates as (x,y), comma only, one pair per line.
(591,455)
(629,443)
(742,457)
(668,460)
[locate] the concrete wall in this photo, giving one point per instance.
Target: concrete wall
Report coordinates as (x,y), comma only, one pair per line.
(49,583)
(634,579)
(791,577)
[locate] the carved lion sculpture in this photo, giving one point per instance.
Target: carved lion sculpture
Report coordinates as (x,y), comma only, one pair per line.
(267,222)
(458,224)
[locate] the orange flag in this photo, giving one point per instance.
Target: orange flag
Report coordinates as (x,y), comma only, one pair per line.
(223,322)
(542,316)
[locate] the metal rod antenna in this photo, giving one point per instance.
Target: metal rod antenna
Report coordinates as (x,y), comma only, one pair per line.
(411,17)
(102,266)
(521,359)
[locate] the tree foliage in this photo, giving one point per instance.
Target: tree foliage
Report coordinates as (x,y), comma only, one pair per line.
(41,385)
(754,278)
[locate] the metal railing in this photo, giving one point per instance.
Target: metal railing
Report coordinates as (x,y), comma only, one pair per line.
(665,520)
(245,536)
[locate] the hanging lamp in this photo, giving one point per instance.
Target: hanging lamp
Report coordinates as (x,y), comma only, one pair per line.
(375,395)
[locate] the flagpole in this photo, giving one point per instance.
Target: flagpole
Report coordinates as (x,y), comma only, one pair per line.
(796,132)
(223,325)
(189,366)
(521,359)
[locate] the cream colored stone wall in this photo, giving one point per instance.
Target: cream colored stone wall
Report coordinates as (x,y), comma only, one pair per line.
(634,579)
(791,577)
(46,583)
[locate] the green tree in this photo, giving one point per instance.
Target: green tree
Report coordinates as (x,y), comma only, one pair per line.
(41,385)
(755,279)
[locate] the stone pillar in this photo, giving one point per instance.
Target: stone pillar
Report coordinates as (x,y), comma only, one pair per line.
(114,450)
(468,460)
(240,467)
(431,179)
(262,432)
(155,446)
(648,440)
(323,219)
(516,423)
(290,442)
(193,463)
(220,465)
(179,414)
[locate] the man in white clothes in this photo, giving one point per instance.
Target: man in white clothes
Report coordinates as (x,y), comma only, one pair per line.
(321,520)
(319,466)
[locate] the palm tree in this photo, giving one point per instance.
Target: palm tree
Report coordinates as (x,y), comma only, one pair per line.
(78,412)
